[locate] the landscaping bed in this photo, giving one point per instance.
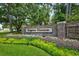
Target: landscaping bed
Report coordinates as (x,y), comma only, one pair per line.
(48,47)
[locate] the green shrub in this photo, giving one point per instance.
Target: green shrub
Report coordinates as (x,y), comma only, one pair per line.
(52,49)
(2,40)
(20,41)
(49,47)
(10,40)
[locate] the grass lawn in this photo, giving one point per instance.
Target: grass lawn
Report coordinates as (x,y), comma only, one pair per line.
(20,50)
(33,47)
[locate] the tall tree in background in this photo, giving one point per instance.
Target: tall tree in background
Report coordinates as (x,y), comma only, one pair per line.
(74,13)
(39,14)
(59,12)
(3,13)
(16,14)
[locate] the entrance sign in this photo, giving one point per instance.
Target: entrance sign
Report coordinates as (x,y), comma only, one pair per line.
(38,29)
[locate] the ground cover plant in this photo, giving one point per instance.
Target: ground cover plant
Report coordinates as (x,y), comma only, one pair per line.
(49,48)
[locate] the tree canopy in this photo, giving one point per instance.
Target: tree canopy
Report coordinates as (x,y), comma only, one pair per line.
(32,14)
(16,14)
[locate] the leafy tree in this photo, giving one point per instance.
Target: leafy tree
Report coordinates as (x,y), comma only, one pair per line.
(3,13)
(74,13)
(31,14)
(59,12)
(38,14)
(35,13)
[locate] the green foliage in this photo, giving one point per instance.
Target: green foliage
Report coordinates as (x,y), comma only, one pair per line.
(16,14)
(20,50)
(3,12)
(20,41)
(49,47)
(52,49)
(59,12)
(36,14)
(2,40)
(74,13)
(10,40)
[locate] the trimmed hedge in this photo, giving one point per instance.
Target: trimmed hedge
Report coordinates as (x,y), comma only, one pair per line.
(49,47)
(53,50)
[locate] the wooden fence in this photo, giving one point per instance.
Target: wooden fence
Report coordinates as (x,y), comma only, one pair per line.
(72,30)
(68,30)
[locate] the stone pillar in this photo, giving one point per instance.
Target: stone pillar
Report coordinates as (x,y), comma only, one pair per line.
(61,29)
